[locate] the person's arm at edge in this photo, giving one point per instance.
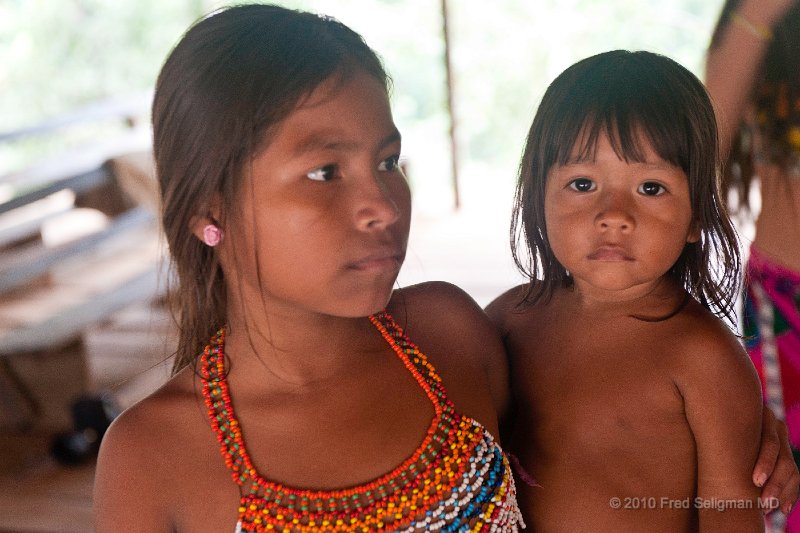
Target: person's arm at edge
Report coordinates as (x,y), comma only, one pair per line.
(731,67)
(776,471)
(733,62)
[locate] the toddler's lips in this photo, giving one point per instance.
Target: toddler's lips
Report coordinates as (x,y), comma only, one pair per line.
(610,253)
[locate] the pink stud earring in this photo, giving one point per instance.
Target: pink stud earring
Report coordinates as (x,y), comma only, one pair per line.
(212,235)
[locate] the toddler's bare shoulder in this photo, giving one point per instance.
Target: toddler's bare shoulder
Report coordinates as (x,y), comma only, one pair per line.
(703,345)
(509,307)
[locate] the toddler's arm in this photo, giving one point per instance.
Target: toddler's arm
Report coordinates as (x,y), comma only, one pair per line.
(722,399)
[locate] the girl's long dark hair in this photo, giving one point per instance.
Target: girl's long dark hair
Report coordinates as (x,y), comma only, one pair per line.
(232,77)
(628,94)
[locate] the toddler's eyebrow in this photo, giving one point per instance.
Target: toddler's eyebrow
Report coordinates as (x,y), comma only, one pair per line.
(660,165)
(325,141)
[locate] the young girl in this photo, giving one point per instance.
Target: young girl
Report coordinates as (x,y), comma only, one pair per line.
(287,217)
(638,410)
(753,76)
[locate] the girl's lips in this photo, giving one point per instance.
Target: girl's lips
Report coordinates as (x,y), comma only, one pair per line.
(610,253)
(378,261)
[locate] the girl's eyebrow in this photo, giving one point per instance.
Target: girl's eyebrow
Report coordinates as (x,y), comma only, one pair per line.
(393,137)
(326,140)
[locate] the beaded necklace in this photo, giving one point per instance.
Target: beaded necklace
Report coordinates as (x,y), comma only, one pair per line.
(458,478)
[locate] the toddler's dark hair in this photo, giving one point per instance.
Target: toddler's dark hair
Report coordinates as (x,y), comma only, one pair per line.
(627,94)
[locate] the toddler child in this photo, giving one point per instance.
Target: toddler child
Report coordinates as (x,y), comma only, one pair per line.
(637,409)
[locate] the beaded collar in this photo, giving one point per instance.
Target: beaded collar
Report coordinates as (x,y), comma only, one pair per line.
(458,478)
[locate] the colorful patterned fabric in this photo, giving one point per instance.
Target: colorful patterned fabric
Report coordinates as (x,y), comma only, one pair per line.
(772,338)
(457,480)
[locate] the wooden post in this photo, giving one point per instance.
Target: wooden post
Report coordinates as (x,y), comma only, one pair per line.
(450,108)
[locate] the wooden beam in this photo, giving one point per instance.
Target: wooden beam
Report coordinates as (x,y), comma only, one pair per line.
(451,106)
(64,328)
(35,259)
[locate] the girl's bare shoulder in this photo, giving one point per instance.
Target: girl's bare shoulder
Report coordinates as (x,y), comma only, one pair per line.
(158,429)
(176,405)
(456,334)
(438,312)
(147,453)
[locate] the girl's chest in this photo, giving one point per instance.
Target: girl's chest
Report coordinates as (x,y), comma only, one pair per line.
(208,499)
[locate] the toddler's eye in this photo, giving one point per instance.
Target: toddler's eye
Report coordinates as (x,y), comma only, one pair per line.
(582,185)
(390,164)
(325,173)
(651,188)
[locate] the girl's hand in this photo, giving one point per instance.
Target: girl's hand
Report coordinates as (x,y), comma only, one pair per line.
(775,469)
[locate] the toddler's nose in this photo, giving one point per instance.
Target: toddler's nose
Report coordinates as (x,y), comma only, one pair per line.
(615,214)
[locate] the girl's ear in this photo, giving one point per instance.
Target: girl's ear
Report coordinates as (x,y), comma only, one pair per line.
(694,232)
(200,224)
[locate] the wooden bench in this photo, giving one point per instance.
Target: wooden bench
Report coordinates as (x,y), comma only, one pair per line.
(79,242)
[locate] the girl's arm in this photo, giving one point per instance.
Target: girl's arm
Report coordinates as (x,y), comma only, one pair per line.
(733,61)
(722,400)
(776,470)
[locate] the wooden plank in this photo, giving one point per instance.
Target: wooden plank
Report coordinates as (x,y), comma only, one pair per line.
(81,278)
(31,305)
(65,327)
(34,260)
(127,108)
(84,181)
(47,498)
(27,230)
(77,160)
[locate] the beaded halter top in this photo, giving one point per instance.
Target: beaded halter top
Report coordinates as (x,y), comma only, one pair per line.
(458,479)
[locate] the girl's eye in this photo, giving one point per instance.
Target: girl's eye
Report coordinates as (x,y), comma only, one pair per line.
(582,185)
(325,173)
(651,188)
(390,164)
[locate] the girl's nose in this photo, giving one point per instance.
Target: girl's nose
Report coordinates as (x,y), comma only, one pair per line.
(377,204)
(615,215)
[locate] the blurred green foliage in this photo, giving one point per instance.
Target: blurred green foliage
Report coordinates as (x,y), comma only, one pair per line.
(57,55)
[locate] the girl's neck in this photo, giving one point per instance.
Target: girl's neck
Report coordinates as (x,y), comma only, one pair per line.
(298,349)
